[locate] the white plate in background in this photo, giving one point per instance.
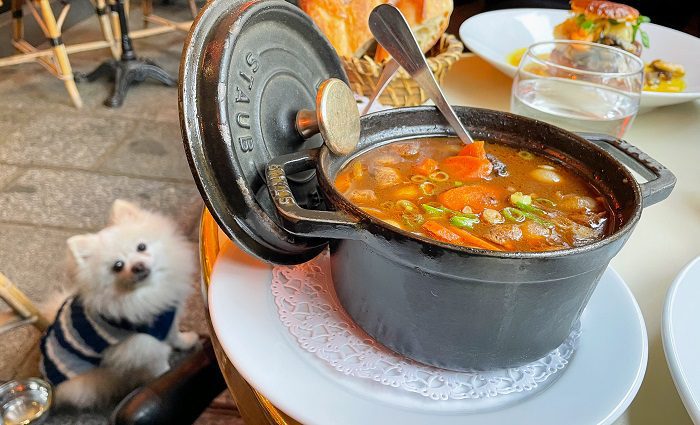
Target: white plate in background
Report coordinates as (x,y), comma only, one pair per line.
(680,329)
(496,34)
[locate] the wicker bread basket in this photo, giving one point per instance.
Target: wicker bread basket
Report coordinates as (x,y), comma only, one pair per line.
(364,72)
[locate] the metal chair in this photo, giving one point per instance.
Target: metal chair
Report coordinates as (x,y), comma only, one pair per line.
(150,18)
(23,311)
(54,59)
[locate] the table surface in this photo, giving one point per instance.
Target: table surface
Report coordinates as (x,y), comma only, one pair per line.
(666,238)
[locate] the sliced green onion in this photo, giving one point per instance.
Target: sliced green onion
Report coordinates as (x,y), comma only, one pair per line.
(513,214)
(418,178)
(464,222)
(526,155)
(439,176)
(388,205)
(529,208)
(433,211)
(427,188)
(545,201)
(470,216)
(407,206)
(413,220)
(533,217)
(459,183)
(519,198)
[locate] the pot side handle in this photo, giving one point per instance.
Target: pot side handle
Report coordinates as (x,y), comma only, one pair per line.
(660,180)
(295,219)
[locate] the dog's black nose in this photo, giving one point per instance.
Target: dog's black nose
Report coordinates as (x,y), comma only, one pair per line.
(140,271)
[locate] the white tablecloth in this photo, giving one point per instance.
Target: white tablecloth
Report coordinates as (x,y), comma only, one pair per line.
(666,238)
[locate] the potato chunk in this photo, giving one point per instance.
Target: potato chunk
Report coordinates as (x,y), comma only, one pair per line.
(386,176)
(504,233)
(364,196)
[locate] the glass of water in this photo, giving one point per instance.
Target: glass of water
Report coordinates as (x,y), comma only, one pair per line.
(579,86)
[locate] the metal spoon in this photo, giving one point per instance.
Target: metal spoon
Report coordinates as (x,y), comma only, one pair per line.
(391,30)
(385,77)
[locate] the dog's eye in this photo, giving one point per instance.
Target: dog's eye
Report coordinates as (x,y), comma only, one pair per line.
(118,266)
(141,247)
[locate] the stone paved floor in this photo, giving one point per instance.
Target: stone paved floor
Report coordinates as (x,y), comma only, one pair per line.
(61,168)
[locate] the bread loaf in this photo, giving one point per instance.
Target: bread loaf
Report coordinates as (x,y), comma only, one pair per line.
(344,22)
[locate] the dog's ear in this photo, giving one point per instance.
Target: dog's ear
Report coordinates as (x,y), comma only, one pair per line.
(124,211)
(81,247)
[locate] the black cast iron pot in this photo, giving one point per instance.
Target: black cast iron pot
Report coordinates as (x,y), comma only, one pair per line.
(456,307)
(249,66)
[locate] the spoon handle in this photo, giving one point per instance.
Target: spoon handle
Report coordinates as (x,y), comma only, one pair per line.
(385,77)
(391,30)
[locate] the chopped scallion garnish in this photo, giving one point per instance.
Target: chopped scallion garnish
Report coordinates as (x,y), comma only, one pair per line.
(529,208)
(536,219)
(545,201)
(513,214)
(407,205)
(439,176)
(464,222)
(413,220)
(526,155)
(518,197)
(433,211)
(427,188)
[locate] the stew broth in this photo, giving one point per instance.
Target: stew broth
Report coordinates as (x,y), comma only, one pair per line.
(484,195)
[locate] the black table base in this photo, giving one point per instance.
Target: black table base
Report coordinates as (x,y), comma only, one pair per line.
(128,69)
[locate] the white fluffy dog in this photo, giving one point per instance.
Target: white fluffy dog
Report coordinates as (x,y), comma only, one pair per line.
(118,329)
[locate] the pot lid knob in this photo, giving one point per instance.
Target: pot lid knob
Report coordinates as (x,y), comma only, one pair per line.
(336,117)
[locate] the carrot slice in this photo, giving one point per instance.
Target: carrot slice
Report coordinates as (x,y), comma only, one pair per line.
(410,191)
(426,166)
(477,197)
(440,232)
(475,149)
(466,167)
(342,183)
(474,241)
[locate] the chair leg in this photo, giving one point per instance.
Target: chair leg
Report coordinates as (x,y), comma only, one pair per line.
(114,22)
(17,22)
(147,10)
(20,303)
(101,10)
(193,8)
(59,51)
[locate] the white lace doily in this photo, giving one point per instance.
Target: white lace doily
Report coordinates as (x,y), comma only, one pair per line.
(309,309)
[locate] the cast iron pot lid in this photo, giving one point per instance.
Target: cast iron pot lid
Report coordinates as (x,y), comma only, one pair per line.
(247,68)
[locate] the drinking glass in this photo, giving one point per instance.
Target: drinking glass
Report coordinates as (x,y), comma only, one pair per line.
(579,86)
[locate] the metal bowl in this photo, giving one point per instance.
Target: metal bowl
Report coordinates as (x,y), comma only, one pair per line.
(25,401)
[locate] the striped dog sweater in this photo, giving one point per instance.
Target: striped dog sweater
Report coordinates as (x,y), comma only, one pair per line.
(77,339)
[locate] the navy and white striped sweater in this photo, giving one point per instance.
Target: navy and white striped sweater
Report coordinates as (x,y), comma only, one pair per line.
(76,341)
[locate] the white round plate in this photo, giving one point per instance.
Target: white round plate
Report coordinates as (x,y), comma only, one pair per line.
(596,387)
(679,329)
(494,35)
